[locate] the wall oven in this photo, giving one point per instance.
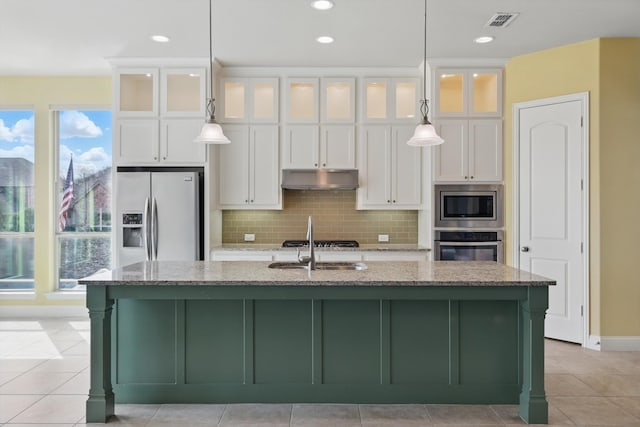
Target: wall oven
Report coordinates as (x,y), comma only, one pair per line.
(468,206)
(467,245)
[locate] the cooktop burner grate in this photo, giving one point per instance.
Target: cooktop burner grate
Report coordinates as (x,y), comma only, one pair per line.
(321,243)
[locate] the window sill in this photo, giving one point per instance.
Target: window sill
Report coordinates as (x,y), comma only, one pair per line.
(66,295)
(17,295)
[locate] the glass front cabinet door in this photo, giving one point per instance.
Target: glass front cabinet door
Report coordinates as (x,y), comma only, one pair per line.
(137,92)
(390,99)
(249,100)
(468,92)
(183,92)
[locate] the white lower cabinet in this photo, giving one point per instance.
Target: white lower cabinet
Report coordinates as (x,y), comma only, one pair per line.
(325,146)
(390,170)
(249,168)
(472,151)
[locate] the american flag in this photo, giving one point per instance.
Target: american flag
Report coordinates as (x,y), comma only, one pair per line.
(67,197)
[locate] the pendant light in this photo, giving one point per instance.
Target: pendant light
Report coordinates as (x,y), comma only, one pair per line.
(211,132)
(425,134)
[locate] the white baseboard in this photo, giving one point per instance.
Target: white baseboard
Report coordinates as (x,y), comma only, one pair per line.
(593,343)
(620,343)
(40,311)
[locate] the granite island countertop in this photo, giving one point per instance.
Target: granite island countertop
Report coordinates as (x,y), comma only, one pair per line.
(378,273)
(367,247)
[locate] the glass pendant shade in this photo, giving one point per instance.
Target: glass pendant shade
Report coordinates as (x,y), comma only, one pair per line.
(425,135)
(211,133)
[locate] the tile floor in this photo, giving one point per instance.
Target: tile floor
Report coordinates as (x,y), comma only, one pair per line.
(44,381)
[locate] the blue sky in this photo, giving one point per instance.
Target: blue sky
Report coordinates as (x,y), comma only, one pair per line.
(85,133)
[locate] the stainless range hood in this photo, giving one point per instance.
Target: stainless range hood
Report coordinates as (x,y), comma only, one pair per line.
(319,179)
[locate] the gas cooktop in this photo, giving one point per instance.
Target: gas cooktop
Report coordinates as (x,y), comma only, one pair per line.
(321,243)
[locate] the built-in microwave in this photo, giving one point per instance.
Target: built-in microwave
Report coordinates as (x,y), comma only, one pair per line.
(468,206)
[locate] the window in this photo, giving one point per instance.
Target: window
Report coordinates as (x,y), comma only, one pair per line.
(16,199)
(83,218)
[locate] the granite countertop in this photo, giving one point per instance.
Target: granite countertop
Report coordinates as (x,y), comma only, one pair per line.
(379,273)
(363,247)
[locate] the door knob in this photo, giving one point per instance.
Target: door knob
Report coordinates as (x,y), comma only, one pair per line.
(524,249)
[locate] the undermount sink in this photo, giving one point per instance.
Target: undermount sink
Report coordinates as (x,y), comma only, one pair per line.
(320,265)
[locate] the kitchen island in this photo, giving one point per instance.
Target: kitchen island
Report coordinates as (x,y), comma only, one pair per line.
(398,332)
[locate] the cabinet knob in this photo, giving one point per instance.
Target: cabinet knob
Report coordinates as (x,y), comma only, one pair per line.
(524,249)
(388,201)
(164,158)
(394,201)
(251,200)
(471,177)
(315,164)
(466,177)
(155,158)
(246,201)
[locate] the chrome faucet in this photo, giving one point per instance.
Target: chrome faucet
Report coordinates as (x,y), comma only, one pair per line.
(311,258)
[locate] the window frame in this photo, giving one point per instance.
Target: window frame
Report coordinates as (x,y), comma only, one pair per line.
(58,236)
(22,234)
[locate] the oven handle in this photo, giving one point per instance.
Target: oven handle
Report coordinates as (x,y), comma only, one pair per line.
(492,243)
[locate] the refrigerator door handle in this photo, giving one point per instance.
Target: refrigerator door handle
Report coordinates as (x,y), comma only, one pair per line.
(145,229)
(154,229)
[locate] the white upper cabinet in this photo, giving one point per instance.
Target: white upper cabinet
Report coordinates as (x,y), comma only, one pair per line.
(390,170)
(249,168)
(157,114)
(302,100)
(472,151)
(136,92)
(387,100)
(249,100)
(176,141)
(325,147)
(337,100)
(462,92)
(183,92)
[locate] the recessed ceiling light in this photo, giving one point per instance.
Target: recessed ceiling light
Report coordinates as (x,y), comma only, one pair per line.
(160,39)
(322,4)
(483,39)
(325,39)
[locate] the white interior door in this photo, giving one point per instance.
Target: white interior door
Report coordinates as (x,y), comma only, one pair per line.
(551,210)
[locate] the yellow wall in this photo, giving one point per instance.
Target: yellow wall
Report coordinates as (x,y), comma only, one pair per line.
(620,186)
(39,94)
(609,69)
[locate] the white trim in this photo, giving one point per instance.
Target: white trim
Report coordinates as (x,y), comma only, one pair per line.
(157,62)
(467,62)
(17,295)
(620,343)
(39,311)
(593,342)
(515,259)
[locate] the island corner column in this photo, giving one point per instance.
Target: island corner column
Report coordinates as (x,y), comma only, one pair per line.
(100,404)
(533,403)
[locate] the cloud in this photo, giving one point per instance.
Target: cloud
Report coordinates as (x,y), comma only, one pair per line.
(21,151)
(21,132)
(5,132)
(84,163)
(74,124)
(95,154)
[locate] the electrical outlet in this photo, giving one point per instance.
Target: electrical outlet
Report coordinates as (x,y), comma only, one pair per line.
(383,237)
(249,237)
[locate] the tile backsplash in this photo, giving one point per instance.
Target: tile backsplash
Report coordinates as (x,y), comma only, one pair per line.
(334,217)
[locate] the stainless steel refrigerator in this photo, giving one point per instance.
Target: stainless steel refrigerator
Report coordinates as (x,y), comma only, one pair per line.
(159,214)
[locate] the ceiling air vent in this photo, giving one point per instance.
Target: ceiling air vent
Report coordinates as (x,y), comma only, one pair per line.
(501,19)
